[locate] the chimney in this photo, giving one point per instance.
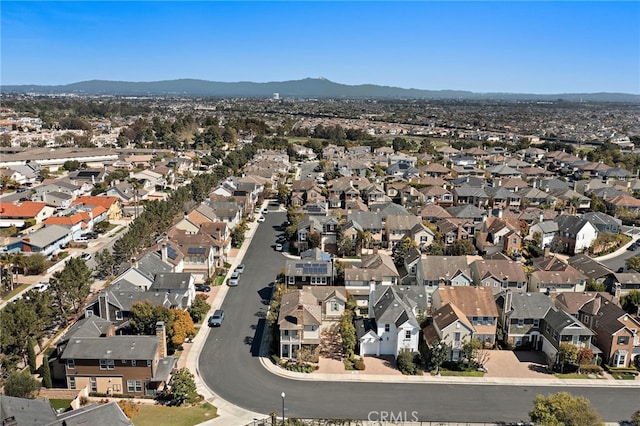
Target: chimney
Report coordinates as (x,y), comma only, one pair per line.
(616,291)
(161,334)
(508,297)
(372,288)
(103,306)
(163,252)
(375,250)
(547,252)
(499,213)
(134,262)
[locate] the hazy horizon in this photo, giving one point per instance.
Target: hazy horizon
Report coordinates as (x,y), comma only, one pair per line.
(482,47)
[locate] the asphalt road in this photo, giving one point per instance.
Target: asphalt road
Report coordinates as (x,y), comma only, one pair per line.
(229,365)
(620,261)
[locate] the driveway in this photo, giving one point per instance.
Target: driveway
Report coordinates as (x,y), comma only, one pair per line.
(519,364)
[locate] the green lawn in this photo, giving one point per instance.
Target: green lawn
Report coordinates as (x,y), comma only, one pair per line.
(219,280)
(159,415)
(623,376)
(60,403)
(462,373)
(19,288)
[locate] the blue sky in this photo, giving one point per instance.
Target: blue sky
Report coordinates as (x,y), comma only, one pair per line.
(532,47)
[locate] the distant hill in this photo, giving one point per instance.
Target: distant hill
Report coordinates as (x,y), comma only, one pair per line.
(305,88)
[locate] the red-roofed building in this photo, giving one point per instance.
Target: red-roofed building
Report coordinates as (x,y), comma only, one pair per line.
(111,205)
(15,214)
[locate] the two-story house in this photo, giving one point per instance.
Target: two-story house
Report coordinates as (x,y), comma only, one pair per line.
(451,326)
(520,316)
(299,322)
(91,355)
(477,304)
(395,310)
(397,226)
(559,327)
(552,275)
(499,275)
(314,267)
(435,271)
(576,234)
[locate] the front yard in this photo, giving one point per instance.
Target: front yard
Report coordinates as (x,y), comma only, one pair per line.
(160,415)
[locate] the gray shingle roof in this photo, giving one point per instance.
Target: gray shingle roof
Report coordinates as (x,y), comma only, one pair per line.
(32,412)
(114,347)
(46,236)
(108,414)
(528,305)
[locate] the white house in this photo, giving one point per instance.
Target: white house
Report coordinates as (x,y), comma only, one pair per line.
(395,310)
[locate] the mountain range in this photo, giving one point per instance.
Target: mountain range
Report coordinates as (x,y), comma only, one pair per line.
(305,88)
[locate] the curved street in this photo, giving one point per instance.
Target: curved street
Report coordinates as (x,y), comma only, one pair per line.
(229,364)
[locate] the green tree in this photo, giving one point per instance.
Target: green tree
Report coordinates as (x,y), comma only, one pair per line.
(237,235)
(363,240)
(348,334)
(21,385)
(633,263)
(105,263)
(401,250)
(199,308)
(563,409)
(408,362)
(631,301)
(182,389)
(72,285)
(463,248)
(31,355)
(283,194)
(314,239)
(567,354)
(437,354)
(46,372)
(35,264)
(144,316)
(593,285)
(470,350)
(635,418)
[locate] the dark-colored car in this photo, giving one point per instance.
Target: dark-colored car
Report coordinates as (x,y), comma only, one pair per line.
(203,287)
(620,269)
(85,256)
(632,247)
(216,319)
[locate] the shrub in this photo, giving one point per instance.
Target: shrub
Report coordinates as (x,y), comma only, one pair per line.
(408,362)
(590,369)
(359,364)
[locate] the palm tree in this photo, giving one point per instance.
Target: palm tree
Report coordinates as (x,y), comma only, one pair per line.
(363,239)
(136,185)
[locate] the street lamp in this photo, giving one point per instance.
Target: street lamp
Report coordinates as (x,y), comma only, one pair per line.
(282,395)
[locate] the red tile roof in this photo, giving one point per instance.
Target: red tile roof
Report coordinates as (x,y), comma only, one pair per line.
(25,209)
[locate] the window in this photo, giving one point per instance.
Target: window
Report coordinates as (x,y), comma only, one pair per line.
(292,279)
(118,315)
(286,332)
(623,340)
(387,327)
(407,334)
(536,323)
(94,384)
(107,364)
(134,386)
(148,363)
(334,306)
(71,364)
(72,382)
(117,388)
(520,322)
(133,362)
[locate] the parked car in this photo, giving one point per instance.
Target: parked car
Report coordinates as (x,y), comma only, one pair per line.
(261,219)
(90,235)
(216,319)
(265,211)
(620,269)
(632,247)
(233,281)
(85,256)
(41,287)
(278,247)
(203,287)
(240,268)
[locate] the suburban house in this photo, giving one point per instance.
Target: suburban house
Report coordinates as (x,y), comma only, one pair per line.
(603,222)
(325,226)
(499,235)
(20,213)
(397,227)
(436,271)
(314,267)
(377,267)
(90,354)
(499,275)
(575,233)
(23,411)
(111,204)
(299,322)
(450,326)
(559,327)
(591,268)
(48,241)
(622,283)
(477,304)
(394,311)
(547,229)
(365,222)
(552,275)
(421,236)
(617,332)
(520,316)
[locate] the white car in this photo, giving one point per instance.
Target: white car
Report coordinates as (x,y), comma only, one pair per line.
(261,219)
(85,256)
(41,287)
(278,247)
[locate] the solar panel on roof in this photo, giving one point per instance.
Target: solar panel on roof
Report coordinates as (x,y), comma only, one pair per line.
(196,250)
(171,253)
